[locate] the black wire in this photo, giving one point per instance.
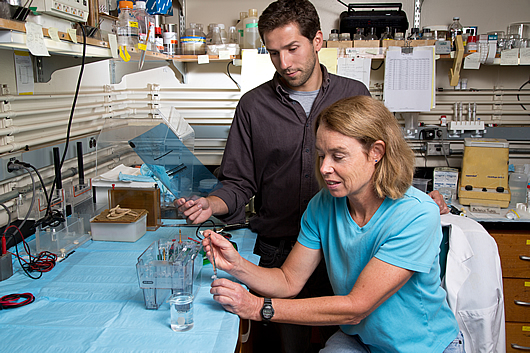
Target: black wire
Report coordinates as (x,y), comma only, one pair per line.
(200,226)
(520,88)
(228,73)
(10,301)
(382,62)
(49,214)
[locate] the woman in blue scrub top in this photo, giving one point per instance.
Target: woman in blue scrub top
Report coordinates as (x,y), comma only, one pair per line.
(380,238)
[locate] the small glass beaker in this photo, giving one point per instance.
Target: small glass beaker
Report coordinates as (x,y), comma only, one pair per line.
(181,311)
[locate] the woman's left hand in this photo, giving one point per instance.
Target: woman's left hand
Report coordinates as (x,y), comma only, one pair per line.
(439,199)
(236,299)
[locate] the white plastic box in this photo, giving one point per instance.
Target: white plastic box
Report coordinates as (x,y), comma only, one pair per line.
(130,232)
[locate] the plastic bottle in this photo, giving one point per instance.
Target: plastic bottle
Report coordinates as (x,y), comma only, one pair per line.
(216,43)
(518,184)
(334,35)
(127,26)
(240,27)
(224,33)
(472,46)
(210,32)
(146,26)
(233,35)
(387,35)
(455,29)
(194,40)
(251,39)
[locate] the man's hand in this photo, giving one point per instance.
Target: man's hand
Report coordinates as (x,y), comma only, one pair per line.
(438,198)
(195,210)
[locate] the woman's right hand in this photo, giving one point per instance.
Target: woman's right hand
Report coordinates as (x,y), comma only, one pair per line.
(226,257)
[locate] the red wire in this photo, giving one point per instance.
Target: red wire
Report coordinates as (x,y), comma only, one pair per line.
(43,262)
(12,300)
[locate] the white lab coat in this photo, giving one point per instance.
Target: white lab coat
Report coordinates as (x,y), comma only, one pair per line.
(473,281)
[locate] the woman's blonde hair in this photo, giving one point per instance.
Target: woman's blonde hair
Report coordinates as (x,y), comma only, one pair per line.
(368,120)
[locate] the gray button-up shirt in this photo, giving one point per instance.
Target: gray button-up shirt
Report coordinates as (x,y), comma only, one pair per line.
(270,153)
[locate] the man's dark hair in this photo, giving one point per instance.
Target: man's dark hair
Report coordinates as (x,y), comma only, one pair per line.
(283,12)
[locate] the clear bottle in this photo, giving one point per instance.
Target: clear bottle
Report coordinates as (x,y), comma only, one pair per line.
(387,35)
(146,26)
(240,27)
(518,183)
(216,43)
(372,35)
(344,37)
(233,35)
(359,34)
(471,46)
(127,30)
(334,35)
(455,29)
(414,34)
(222,31)
(208,37)
(251,39)
(194,40)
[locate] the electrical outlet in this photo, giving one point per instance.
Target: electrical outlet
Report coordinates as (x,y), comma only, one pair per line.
(438,148)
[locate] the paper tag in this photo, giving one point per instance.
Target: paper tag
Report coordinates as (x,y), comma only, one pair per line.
(35,39)
(527,241)
(224,54)
(72,34)
(113,44)
(526,328)
(142,46)
(54,34)
(203,59)
(527,284)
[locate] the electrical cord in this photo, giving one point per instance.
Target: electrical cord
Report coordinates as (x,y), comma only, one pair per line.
(11,301)
(520,88)
(56,217)
(229,75)
(382,62)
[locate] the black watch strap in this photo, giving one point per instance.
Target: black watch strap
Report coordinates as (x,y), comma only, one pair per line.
(267,311)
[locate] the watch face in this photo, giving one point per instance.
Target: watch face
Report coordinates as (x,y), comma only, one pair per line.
(268,312)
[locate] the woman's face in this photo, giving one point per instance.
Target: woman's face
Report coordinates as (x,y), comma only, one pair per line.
(345,166)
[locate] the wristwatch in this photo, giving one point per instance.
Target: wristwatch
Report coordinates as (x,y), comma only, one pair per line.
(267,312)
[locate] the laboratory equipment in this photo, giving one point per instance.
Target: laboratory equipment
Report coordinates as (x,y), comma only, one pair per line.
(138,198)
(251,38)
(72,10)
(169,266)
(518,182)
(127,26)
(455,29)
(131,227)
(240,27)
(334,35)
(172,162)
(62,238)
(378,15)
(194,40)
(170,38)
(484,177)
(181,311)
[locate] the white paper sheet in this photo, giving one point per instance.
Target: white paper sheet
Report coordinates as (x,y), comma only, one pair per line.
(356,68)
(35,39)
(255,70)
(23,73)
(409,80)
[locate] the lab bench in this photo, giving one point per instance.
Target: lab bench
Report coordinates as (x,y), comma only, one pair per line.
(91,302)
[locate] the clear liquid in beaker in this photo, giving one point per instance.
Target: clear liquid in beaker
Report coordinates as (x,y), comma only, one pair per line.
(181,308)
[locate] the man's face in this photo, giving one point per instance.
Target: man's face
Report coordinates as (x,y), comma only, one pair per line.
(295,57)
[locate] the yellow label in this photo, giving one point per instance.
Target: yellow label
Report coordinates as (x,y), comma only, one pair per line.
(527,241)
(142,46)
(527,284)
(526,328)
(133,24)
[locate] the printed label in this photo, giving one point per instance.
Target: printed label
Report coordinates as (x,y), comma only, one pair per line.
(526,328)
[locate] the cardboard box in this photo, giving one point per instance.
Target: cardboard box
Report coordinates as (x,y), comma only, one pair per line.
(339,44)
(366,43)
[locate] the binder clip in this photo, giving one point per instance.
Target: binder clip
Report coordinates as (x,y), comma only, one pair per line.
(407,48)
